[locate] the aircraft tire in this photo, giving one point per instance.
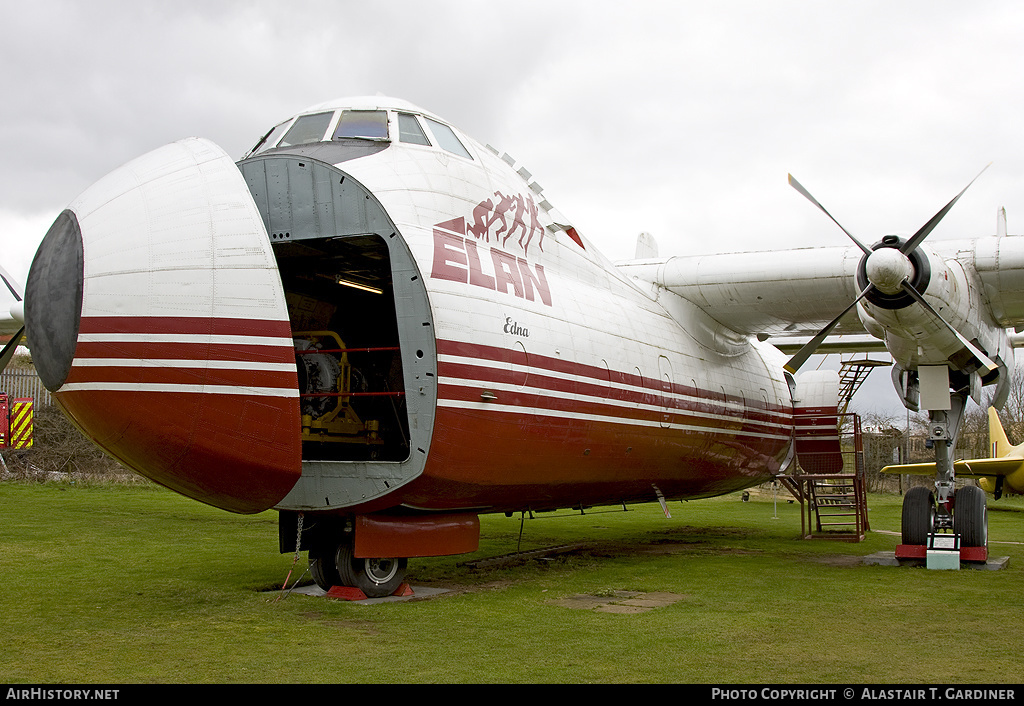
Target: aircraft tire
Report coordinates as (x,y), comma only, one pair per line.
(374,577)
(323,568)
(918,515)
(970,516)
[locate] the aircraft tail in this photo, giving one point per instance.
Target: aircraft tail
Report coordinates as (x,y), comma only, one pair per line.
(999,445)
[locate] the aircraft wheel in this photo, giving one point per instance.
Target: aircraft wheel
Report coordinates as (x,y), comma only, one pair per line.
(323,568)
(970,516)
(918,515)
(374,577)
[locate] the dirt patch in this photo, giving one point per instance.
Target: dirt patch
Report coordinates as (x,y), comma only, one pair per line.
(620,602)
(841,560)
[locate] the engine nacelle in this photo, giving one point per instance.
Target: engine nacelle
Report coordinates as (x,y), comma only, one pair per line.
(915,336)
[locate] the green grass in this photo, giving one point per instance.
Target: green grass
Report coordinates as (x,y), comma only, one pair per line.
(138,585)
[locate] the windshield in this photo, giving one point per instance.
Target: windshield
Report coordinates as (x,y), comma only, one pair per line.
(363,124)
(307,128)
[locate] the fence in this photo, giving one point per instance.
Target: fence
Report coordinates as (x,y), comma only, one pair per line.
(25,383)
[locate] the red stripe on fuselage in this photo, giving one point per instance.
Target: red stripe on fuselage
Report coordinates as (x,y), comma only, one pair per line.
(239,340)
(184,325)
(235,444)
(609,383)
(152,350)
(181,376)
(679,404)
(554,433)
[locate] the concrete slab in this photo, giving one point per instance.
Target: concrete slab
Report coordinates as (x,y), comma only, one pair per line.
(418,592)
(889,559)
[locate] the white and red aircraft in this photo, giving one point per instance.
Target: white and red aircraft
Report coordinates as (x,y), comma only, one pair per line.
(382,329)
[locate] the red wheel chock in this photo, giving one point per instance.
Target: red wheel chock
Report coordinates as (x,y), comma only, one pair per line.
(350,593)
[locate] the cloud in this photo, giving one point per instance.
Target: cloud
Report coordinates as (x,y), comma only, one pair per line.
(678,118)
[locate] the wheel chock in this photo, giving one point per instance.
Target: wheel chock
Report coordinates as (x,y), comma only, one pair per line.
(911,551)
(920,551)
(346,593)
(350,593)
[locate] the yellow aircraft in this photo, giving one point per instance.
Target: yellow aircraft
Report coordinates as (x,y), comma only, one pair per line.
(1002,473)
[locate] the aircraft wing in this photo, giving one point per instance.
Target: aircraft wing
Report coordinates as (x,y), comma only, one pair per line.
(9,325)
(976,468)
(792,293)
(949,304)
(786,293)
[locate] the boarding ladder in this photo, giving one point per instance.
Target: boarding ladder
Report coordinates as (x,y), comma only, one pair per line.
(834,505)
(852,374)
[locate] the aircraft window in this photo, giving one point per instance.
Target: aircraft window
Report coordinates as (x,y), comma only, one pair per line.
(308,128)
(364,124)
(445,137)
(409,130)
(268,140)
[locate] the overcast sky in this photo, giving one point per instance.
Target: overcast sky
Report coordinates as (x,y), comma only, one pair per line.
(678,118)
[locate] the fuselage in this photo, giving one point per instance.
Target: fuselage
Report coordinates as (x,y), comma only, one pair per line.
(553,380)
(372,312)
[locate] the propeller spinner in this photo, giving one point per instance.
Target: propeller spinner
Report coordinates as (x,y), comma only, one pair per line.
(892,274)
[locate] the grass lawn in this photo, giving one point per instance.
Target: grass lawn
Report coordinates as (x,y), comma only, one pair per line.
(138,585)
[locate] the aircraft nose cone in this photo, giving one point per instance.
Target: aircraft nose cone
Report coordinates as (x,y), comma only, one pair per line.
(156,316)
(53,300)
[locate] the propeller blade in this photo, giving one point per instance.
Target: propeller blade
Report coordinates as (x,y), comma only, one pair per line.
(808,348)
(983,359)
(796,185)
(915,240)
(11,284)
(8,352)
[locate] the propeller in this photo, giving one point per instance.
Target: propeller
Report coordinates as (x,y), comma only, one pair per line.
(8,351)
(889,271)
(12,286)
(17,313)
(808,348)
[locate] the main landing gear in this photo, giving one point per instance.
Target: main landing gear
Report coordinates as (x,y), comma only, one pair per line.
(940,517)
(334,543)
(334,564)
(922,516)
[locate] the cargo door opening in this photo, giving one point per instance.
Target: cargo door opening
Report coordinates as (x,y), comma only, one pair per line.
(341,305)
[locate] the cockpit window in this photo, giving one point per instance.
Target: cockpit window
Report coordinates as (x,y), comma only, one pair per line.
(363,124)
(268,140)
(308,128)
(409,130)
(445,137)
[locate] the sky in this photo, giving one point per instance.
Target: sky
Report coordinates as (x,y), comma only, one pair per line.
(677,118)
